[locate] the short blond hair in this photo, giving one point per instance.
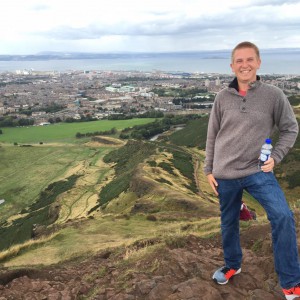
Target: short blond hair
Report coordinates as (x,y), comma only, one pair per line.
(243,45)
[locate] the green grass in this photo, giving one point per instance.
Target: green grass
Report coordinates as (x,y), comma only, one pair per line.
(64,132)
(126,159)
(183,161)
(193,135)
(20,230)
(26,171)
(167,167)
(96,234)
(99,234)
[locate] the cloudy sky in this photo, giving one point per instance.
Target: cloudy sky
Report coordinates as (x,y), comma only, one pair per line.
(33,26)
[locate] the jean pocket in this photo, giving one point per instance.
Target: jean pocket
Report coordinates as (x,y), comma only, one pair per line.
(265,178)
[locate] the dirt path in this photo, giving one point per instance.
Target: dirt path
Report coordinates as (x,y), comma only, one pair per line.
(196,162)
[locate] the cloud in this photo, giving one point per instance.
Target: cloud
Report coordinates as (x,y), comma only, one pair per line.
(40,7)
(181,23)
(148,24)
(273,2)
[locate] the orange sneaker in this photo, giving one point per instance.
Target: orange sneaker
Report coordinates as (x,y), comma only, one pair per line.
(292,293)
(222,275)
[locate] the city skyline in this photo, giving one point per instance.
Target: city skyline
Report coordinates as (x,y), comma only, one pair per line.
(31,27)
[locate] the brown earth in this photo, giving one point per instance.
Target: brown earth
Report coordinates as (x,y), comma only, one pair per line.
(176,269)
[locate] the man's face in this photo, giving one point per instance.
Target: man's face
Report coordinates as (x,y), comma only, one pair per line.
(245,64)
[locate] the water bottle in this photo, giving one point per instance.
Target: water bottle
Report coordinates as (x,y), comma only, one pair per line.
(265,152)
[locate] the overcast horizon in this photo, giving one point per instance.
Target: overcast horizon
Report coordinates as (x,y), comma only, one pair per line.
(101,26)
(224,51)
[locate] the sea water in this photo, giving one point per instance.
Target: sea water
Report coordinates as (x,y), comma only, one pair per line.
(272,63)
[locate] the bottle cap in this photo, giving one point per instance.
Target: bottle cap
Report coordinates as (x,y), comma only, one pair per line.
(268,141)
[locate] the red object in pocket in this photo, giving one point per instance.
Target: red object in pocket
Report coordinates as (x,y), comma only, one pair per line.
(245,213)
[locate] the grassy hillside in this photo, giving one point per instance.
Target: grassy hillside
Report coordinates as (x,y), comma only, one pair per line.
(122,193)
(193,135)
(26,171)
(288,173)
(124,186)
(40,213)
(126,160)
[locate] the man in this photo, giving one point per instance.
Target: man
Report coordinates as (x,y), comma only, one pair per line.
(242,117)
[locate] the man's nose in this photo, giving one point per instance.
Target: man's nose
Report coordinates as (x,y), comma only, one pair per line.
(244,64)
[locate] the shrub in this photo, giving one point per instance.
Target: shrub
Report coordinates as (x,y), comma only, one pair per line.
(126,159)
(152,163)
(293,179)
(162,180)
(167,167)
(151,218)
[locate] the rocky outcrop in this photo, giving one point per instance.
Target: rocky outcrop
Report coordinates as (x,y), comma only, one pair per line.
(178,269)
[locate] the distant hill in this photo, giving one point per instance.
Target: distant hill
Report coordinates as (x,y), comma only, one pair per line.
(213,54)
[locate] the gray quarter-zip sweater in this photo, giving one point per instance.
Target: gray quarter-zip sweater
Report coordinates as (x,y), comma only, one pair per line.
(238,127)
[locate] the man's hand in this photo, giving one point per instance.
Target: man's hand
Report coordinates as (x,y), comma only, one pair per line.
(213,183)
(268,166)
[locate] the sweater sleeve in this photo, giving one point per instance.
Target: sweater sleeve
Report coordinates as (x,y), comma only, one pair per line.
(287,125)
(212,131)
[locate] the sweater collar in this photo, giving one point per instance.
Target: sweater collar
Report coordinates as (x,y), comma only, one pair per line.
(234,83)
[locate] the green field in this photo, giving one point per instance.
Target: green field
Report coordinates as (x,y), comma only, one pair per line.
(26,171)
(64,132)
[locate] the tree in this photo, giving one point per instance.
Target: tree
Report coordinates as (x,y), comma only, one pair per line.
(25,122)
(69,120)
(1,132)
(79,135)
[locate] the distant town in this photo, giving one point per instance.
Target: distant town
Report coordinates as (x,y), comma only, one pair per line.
(29,97)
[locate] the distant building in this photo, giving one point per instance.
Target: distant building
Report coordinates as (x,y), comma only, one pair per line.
(117,88)
(77,117)
(38,113)
(116,85)
(127,88)
(111,89)
(2,110)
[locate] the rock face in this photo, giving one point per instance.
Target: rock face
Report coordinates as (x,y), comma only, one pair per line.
(180,269)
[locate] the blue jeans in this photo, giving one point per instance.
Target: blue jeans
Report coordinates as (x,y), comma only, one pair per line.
(266,190)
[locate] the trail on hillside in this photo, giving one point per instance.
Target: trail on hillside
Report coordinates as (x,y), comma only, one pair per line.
(196,161)
(196,176)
